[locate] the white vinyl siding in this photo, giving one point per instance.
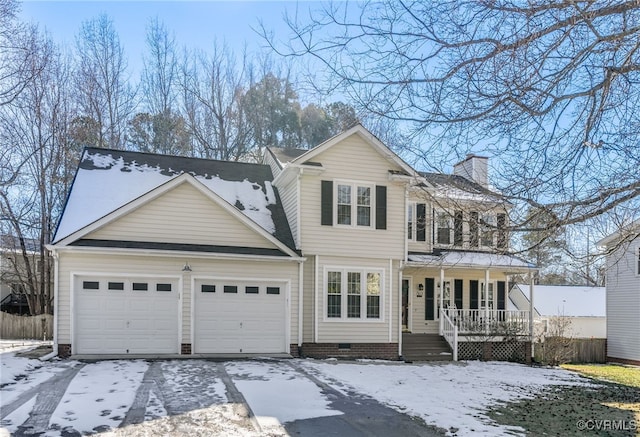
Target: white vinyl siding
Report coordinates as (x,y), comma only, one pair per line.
(183,215)
(623,303)
(363,329)
(288,197)
(364,166)
(95,264)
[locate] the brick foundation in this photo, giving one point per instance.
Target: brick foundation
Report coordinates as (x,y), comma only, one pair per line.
(623,361)
(384,351)
(185,349)
(294,350)
(64,350)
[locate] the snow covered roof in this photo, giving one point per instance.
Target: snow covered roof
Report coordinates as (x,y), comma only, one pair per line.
(470,259)
(109,179)
(568,300)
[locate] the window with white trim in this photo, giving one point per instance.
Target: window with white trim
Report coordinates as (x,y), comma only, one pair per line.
(487,230)
(444,228)
(411,221)
(353,294)
(353,204)
(486,299)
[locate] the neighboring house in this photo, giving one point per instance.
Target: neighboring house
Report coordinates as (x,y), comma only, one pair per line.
(333,251)
(623,295)
(583,307)
(13,272)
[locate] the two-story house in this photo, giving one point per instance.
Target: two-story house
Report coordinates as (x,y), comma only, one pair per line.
(333,251)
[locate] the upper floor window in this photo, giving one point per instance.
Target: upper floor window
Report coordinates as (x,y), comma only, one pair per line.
(411,221)
(353,204)
(444,228)
(488,229)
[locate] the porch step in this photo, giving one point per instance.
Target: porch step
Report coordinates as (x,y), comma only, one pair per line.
(425,347)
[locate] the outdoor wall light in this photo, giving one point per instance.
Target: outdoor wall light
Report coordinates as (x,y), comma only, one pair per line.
(420,290)
(187,267)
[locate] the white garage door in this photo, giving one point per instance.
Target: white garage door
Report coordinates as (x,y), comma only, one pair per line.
(240,317)
(126,316)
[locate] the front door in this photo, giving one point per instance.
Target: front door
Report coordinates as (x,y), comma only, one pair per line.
(405,304)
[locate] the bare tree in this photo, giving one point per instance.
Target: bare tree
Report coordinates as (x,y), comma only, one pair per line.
(160,75)
(548,87)
(101,79)
(35,124)
(212,90)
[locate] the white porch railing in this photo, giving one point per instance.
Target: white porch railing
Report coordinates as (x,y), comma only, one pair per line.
(450,333)
(492,322)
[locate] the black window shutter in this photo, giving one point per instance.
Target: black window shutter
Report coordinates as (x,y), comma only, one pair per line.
(429,298)
(421,217)
(326,197)
(381,207)
(502,231)
(457,228)
(473,288)
(501,295)
(473,229)
(457,293)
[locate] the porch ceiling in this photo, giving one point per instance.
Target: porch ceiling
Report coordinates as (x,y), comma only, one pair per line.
(470,260)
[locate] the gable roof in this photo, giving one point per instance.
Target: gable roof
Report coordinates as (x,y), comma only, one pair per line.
(107,180)
(628,232)
(285,155)
(567,300)
(367,136)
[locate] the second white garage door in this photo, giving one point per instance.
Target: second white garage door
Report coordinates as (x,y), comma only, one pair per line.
(240,317)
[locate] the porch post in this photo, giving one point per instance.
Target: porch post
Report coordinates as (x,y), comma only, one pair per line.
(486,301)
(531,310)
(441,298)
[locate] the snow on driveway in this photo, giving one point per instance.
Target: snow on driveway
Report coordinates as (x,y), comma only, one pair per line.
(17,374)
(277,393)
(98,397)
(450,396)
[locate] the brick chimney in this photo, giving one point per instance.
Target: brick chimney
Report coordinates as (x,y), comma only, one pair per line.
(475,168)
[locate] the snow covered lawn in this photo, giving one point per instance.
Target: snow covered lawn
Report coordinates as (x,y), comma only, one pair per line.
(453,396)
(198,397)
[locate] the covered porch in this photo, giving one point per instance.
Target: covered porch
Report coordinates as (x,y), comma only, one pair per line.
(462,296)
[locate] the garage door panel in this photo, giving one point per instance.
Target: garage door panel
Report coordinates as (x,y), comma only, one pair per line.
(242,322)
(127,320)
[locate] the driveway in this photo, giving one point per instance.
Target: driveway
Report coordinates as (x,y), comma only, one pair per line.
(191,397)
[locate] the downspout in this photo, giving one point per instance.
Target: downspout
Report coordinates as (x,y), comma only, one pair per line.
(56,267)
(298,210)
(300,303)
(390,300)
(400,268)
(315,300)
(441,298)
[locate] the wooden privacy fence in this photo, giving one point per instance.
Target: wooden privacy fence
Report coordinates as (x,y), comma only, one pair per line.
(579,350)
(13,327)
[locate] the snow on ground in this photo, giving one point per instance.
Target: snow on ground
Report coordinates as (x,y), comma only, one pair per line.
(18,374)
(277,393)
(98,397)
(445,395)
(17,418)
(20,345)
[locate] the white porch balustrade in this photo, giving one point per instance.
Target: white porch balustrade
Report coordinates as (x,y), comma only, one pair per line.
(492,322)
